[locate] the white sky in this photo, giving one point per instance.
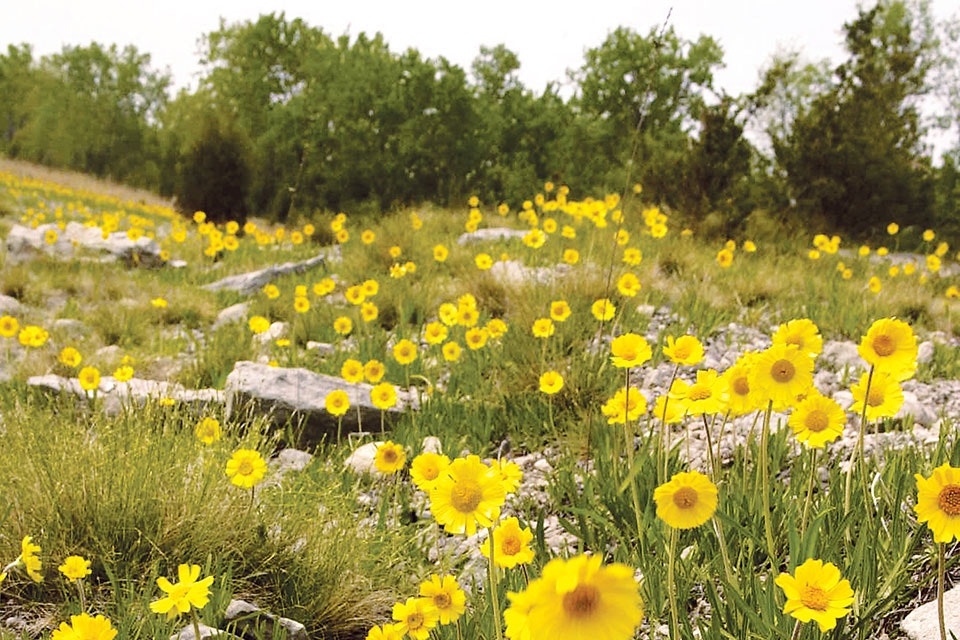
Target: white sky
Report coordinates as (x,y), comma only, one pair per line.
(548,39)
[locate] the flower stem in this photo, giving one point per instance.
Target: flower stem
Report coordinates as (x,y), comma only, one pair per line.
(494,599)
(941,552)
(856,459)
(628,437)
(797,628)
(665,433)
(806,504)
(672,584)
(196,623)
(765,483)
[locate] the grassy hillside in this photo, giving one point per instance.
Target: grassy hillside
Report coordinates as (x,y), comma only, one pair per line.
(554,349)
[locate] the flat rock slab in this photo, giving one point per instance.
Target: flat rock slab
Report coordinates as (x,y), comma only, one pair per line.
(288,395)
(132,393)
(250,283)
(922,623)
(492,234)
(23,242)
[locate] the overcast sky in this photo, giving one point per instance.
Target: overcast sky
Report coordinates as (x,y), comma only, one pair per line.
(548,38)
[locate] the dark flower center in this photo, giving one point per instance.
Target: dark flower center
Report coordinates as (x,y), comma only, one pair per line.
(685,497)
(949,500)
(582,601)
(884,345)
(782,371)
(817,421)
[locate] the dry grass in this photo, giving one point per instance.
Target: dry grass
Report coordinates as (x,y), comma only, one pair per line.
(81,182)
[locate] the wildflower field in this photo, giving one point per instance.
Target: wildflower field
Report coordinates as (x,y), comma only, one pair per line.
(618,427)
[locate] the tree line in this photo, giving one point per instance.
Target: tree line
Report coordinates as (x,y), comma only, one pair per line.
(287,120)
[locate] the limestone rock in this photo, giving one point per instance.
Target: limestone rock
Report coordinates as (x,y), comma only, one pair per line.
(23,241)
(250,621)
(132,393)
(9,306)
(493,234)
(297,395)
(250,283)
(187,633)
(361,460)
(840,355)
(922,623)
(233,313)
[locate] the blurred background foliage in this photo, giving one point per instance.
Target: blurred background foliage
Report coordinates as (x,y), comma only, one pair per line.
(287,120)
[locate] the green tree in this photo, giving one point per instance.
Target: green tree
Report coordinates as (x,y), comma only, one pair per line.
(855,155)
(648,91)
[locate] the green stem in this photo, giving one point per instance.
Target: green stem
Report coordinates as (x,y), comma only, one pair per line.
(765,484)
(494,599)
(665,433)
(196,623)
(628,436)
(806,504)
(672,584)
(797,628)
(713,460)
(941,552)
(856,459)
(83,605)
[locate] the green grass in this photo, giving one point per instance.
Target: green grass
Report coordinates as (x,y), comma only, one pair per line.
(138,494)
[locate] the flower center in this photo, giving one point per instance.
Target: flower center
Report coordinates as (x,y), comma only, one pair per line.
(875,399)
(796,340)
(817,421)
(245,468)
(699,392)
(415,621)
(813,597)
(685,497)
(465,496)
(390,456)
(681,353)
(782,371)
(883,345)
(511,546)
(740,386)
(582,601)
(949,500)
(441,600)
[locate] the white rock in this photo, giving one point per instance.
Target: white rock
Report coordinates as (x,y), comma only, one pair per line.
(276,331)
(841,354)
(233,313)
(361,460)
(9,306)
(922,623)
(925,352)
(431,444)
(492,234)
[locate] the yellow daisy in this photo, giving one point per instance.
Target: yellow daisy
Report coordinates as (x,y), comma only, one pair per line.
(885,399)
(938,502)
(817,420)
(629,350)
(390,458)
(446,596)
(426,468)
(890,346)
(816,592)
(688,500)
(781,374)
(802,333)
(511,544)
(686,350)
(468,493)
(576,599)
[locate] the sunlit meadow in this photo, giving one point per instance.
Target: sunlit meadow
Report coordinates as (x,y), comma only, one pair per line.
(634,429)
